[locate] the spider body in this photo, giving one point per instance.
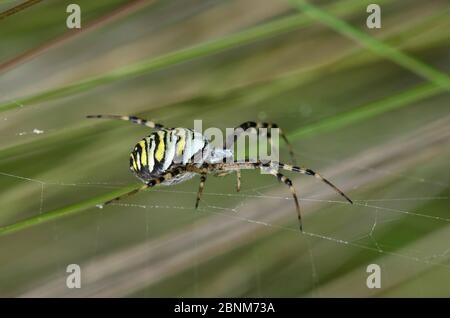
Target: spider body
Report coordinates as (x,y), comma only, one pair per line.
(172,155)
(169,148)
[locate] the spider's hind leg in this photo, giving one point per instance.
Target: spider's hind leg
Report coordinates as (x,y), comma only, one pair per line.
(132,119)
(200,189)
(149,184)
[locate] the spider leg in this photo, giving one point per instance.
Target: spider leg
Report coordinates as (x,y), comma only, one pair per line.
(149,184)
(257,126)
(238,180)
(200,188)
(288,182)
(133,119)
(272,165)
(273,169)
(310,172)
(118,198)
(208,167)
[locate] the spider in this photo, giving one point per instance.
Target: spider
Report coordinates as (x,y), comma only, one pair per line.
(166,157)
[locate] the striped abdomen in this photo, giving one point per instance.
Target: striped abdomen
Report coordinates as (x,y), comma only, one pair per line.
(164,149)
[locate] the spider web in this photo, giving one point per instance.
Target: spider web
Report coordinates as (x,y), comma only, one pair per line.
(253,218)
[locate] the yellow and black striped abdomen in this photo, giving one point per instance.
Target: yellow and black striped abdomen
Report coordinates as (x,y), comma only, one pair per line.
(163,149)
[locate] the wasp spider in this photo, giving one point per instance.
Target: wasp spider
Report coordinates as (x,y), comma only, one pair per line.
(166,157)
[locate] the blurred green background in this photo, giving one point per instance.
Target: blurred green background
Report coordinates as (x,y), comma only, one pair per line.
(373,118)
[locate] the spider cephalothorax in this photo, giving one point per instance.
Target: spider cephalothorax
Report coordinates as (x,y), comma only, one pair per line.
(171,155)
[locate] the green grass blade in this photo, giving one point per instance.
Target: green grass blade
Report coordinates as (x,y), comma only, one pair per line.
(18,8)
(260,32)
(374,45)
(65,211)
(370,110)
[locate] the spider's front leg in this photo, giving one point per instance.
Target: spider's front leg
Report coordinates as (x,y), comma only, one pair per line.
(256,126)
(272,168)
(288,182)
